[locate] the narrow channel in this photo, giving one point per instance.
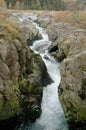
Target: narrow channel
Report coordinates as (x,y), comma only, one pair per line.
(52,117)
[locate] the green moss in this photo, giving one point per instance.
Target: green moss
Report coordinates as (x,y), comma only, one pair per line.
(30,88)
(74,112)
(37,62)
(76,116)
(34,111)
(25,87)
(82,92)
(60,55)
(1,102)
(6,116)
(35,108)
(10,108)
(62,102)
(9,103)
(14,104)
(83,68)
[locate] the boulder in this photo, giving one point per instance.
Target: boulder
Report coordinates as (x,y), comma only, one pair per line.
(29,31)
(44,19)
(46,57)
(52,32)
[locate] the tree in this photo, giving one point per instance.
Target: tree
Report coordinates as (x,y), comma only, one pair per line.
(10,3)
(38,4)
(18,5)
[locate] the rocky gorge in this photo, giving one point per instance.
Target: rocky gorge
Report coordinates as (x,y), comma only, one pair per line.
(22,72)
(69,47)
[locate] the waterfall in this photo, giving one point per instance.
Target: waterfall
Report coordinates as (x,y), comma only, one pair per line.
(52,117)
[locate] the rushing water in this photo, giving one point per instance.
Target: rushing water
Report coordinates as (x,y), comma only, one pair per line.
(52,117)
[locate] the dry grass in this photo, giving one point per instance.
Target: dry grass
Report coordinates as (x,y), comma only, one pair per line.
(2,3)
(77,18)
(8,27)
(84,39)
(3,14)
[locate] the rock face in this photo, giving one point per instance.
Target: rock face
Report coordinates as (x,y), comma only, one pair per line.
(44,20)
(52,32)
(70,50)
(73,85)
(73,90)
(21,74)
(69,47)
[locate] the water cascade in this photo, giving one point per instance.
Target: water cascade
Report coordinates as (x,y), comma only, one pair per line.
(52,117)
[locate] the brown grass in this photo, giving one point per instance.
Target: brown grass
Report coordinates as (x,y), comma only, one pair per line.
(8,27)
(77,18)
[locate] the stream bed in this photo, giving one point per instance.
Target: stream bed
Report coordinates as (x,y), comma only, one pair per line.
(52,117)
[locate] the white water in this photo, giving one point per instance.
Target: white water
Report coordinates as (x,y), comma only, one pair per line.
(52,117)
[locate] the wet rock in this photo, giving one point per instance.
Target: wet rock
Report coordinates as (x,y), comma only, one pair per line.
(46,57)
(53,47)
(60,56)
(45,76)
(52,32)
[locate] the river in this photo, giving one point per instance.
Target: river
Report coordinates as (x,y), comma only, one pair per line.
(52,117)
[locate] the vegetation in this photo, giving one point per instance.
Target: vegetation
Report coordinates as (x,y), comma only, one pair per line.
(76,4)
(2,3)
(8,28)
(46,4)
(75,18)
(36,4)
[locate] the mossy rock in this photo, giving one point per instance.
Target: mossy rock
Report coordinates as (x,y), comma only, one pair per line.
(76,116)
(60,55)
(34,112)
(9,103)
(27,88)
